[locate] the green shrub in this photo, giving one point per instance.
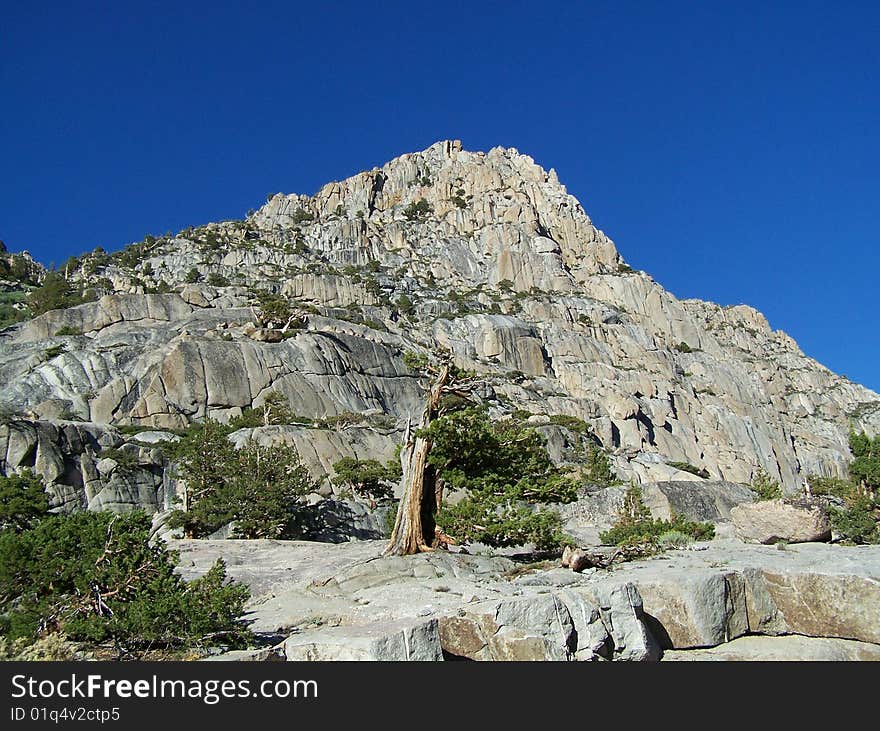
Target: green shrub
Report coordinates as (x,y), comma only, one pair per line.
(126,460)
(192,276)
(275,409)
(67,330)
(54,351)
(415,361)
(856,521)
(418,210)
(570,422)
(217,280)
(302,216)
(597,468)
(273,309)
(56,293)
(97,259)
(96,578)
(368,477)
(256,486)
(636,528)
(23,501)
(375,325)
(833,486)
(766,487)
(405,305)
(12,309)
(683,347)
(265,489)
(11,316)
(865,467)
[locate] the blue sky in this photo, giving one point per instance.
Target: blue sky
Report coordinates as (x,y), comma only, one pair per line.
(731,150)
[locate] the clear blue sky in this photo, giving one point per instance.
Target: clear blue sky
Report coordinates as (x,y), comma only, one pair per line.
(731,150)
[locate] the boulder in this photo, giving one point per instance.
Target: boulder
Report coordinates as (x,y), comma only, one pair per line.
(772,521)
(266,335)
(622,612)
(694,608)
(564,625)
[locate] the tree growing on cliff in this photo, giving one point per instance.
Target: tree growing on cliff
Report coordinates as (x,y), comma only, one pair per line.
(202,460)
(865,467)
(368,477)
(502,468)
(858,519)
(266,487)
(56,293)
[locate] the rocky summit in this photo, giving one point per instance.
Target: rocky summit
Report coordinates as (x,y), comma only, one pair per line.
(487,255)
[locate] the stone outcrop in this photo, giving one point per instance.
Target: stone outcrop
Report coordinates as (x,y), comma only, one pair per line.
(726,596)
(414,640)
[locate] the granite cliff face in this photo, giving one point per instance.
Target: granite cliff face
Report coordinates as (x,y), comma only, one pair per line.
(485,253)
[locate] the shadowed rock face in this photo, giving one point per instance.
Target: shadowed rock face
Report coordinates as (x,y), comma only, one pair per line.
(705,500)
(485,253)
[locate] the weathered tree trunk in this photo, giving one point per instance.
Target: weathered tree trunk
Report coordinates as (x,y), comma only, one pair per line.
(414,528)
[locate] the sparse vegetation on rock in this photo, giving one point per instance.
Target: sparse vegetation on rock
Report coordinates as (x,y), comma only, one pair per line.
(640,533)
(765,487)
(541,320)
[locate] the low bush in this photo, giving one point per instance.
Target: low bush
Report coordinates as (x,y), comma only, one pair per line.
(96,578)
(68,331)
(256,486)
(54,351)
(636,527)
(856,522)
(766,487)
(217,280)
(23,501)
